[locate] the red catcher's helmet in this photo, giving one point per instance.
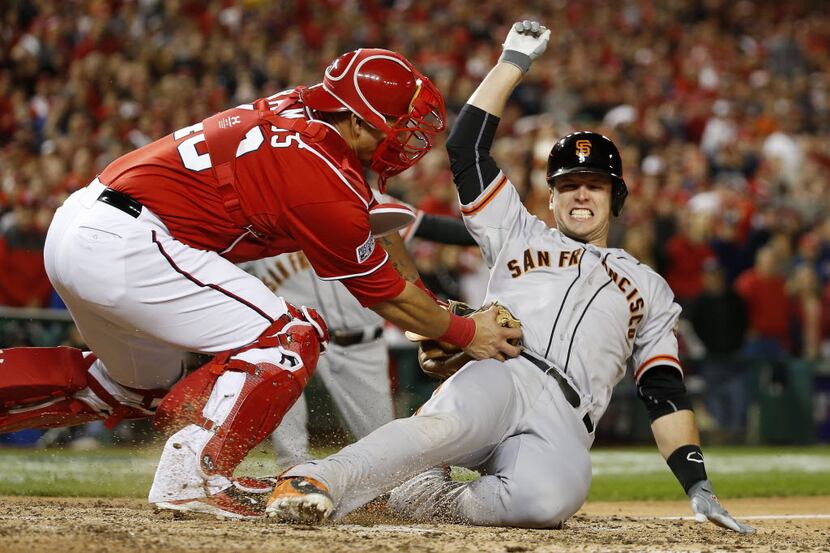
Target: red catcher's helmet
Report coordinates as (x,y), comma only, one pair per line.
(385,90)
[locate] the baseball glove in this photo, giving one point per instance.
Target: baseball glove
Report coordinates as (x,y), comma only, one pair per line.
(441,360)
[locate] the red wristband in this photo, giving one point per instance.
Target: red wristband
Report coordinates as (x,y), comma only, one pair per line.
(461,331)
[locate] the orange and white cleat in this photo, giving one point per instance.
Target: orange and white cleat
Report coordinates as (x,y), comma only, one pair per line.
(300,499)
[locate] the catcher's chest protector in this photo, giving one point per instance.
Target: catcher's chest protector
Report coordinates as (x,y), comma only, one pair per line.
(231,133)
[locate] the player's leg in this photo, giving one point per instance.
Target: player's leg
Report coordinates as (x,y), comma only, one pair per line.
(461,424)
(357,377)
(534,480)
(242,398)
(537,478)
(224,409)
(528,484)
(290,439)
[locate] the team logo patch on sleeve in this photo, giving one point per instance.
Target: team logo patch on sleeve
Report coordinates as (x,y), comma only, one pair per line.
(364,251)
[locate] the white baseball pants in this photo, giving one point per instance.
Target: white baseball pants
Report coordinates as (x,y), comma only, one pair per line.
(141,299)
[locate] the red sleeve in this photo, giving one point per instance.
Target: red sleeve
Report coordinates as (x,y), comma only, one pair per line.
(335,238)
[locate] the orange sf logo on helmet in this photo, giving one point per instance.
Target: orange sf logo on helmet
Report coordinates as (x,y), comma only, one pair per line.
(583,149)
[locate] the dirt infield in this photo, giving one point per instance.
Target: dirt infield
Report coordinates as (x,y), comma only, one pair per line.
(55,525)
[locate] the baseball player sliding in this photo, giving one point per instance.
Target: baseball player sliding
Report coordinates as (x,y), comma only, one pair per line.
(144,259)
(587,311)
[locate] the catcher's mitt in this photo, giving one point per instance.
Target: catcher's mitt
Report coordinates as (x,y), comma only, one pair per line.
(441,360)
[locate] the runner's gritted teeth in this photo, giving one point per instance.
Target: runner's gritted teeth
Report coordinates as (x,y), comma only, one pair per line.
(581,213)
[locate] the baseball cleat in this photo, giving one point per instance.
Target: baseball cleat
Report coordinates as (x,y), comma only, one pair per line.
(244,499)
(300,499)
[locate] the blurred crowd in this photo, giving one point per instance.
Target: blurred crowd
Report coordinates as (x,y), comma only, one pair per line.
(721,109)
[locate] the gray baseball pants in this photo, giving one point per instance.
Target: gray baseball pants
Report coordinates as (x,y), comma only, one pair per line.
(508,420)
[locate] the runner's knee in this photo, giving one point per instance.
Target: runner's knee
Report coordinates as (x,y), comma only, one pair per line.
(543,502)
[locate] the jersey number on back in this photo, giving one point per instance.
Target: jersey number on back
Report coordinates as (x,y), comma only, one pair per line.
(196,160)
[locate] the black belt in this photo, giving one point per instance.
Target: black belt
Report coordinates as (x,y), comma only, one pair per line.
(571,395)
(349,338)
(121,201)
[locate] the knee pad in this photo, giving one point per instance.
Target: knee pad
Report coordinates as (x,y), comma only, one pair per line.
(275,369)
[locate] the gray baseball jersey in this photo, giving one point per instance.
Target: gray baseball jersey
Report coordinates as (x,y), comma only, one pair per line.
(590,311)
(527,423)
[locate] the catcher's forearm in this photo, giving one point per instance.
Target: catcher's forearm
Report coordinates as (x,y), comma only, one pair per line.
(675,430)
(415,311)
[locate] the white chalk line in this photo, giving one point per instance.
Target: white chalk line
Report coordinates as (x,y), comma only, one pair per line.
(752,517)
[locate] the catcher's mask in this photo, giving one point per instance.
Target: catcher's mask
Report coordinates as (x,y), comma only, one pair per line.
(382,88)
(589,152)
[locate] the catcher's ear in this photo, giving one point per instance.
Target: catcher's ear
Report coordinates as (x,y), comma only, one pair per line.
(550,199)
(356,124)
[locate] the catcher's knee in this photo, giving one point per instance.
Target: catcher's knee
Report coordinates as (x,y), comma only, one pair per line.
(241,413)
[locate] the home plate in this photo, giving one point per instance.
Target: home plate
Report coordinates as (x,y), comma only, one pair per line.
(388,528)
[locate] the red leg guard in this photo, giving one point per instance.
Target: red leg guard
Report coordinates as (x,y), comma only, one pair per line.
(184,404)
(36,388)
(53,414)
(39,389)
(29,375)
(268,391)
(267,395)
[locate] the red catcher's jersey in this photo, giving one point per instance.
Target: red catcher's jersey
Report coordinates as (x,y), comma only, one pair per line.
(295,191)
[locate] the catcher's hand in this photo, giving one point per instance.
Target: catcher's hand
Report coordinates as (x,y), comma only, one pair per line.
(524,43)
(706,506)
(441,360)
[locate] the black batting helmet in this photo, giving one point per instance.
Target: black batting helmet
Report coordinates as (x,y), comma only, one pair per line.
(589,152)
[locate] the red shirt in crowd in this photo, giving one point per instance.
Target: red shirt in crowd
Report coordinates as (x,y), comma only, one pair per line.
(767,304)
(23,280)
(299,193)
(684,271)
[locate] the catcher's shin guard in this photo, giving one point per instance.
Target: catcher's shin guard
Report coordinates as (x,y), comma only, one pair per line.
(240,411)
(53,387)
